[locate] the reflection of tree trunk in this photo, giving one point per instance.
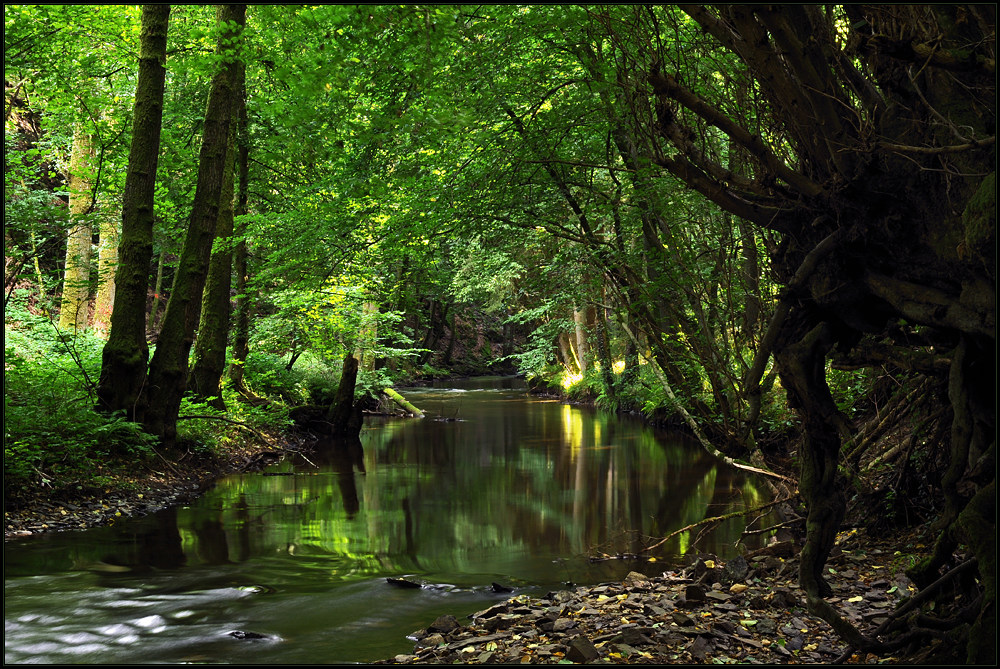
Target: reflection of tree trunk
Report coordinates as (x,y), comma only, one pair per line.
(242,527)
(74,310)
(410,547)
(211,544)
(343,455)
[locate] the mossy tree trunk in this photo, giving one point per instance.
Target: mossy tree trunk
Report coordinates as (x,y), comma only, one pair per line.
(74,307)
(213,327)
(344,414)
(241,325)
(168,369)
(123,361)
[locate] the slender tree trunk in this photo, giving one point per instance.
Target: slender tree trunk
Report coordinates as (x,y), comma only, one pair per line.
(123,366)
(107,260)
(157,292)
(583,319)
(368,336)
(241,327)
(74,309)
(216,306)
(168,369)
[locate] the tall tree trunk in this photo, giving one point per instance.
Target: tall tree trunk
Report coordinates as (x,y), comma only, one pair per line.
(168,369)
(216,306)
(75,309)
(241,326)
(107,260)
(123,361)
(583,319)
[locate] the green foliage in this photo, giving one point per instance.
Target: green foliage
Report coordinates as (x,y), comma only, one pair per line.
(52,435)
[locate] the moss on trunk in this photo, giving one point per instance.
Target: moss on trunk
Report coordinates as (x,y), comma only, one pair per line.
(168,370)
(123,361)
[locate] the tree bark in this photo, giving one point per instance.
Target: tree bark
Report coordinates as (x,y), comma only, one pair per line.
(74,309)
(157,292)
(241,326)
(168,369)
(344,414)
(216,306)
(123,361)
(107,261)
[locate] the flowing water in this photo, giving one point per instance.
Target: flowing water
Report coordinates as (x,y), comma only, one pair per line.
(492,486)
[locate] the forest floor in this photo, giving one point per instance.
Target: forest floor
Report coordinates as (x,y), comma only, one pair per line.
(747,611)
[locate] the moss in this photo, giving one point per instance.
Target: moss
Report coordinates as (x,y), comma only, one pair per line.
(979,220)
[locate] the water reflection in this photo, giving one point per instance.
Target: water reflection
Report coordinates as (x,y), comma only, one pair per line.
(490,486)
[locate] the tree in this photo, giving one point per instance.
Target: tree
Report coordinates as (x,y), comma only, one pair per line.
(168,368)
(213,328)
(873,163)
(75,306)
(124,358)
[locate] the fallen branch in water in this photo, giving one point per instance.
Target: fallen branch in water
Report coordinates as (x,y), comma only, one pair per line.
(403,402)
(716,519)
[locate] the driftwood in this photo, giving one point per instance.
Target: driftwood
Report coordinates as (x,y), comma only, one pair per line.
(403,402)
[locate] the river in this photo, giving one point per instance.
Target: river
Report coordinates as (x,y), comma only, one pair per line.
(492,486)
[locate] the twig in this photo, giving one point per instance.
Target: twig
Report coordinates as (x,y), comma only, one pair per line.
(775,527)
(715,519)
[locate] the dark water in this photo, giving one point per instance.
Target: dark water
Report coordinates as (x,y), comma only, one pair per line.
(492,486)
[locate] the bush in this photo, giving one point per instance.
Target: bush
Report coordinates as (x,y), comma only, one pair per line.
(52,435)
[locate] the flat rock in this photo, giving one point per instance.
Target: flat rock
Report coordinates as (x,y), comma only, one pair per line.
(581,649)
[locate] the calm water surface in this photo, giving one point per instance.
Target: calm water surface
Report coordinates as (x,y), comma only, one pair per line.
(491,486)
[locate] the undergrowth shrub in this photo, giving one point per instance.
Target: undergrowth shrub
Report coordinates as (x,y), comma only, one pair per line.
(52,435)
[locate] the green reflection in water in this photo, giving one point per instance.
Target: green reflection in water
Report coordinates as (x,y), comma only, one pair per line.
(516,490)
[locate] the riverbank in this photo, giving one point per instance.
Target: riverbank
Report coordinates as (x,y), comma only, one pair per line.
(151,487)
(749,610)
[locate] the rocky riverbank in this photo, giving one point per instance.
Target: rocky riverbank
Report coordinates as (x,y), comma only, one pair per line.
(747,610)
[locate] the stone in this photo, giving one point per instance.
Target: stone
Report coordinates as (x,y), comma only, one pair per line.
(580,649)
(736,570)
(563,624)
(636,636)
(444,624)
(636,580)
(430,641)
(718,596)
(694,593)
(681,619)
